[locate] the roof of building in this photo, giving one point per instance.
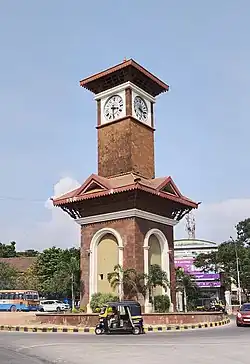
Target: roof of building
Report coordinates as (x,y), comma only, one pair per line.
(194,243)
(128,70)
(21,264)
(96,186)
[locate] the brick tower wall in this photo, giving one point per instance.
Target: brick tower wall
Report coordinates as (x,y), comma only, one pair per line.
(132,231)
(126,146)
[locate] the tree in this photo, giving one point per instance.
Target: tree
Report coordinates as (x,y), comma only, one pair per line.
(70,273)
(8,276)
(58,272)
(130,283)
(8,250)
(55,273)
(225,260)
(47,263)
(227,255)
(28,253)
(243,232)
(162,303)
(29,280)
(100,299)
(156,278)
(186,284)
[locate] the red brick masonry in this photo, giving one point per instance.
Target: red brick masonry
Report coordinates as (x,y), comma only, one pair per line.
(90,320)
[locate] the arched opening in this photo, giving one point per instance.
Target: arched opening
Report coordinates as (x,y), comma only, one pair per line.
(155,256)
(156,251)
(109,253)
(107,258)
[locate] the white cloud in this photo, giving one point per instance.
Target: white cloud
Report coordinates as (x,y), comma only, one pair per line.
(216,221)
(59,229)
(213,222)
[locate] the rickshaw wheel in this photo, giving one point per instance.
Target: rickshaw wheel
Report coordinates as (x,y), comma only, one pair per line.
(136,330)
(99,331)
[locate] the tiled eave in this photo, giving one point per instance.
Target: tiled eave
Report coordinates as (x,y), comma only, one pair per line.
(128,70)
(74,199)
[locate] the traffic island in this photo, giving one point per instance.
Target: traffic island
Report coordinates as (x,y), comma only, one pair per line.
(150,319)
(91,330)
(85,323)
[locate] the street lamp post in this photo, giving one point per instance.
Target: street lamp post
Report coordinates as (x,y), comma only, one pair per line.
(238,271)
(238,277)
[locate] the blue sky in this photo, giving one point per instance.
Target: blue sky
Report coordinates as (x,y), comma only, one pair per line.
(48,122)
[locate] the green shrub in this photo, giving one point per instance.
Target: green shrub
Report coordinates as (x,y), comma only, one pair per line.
(162,303)
(99,299)
(83,309)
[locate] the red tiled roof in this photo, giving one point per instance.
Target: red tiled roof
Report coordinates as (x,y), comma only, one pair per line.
(88,82)
(21,264)
(124,183)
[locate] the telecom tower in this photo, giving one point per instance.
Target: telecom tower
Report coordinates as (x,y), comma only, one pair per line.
(190,225)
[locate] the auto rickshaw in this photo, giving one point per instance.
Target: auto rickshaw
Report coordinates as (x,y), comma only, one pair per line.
(120,317)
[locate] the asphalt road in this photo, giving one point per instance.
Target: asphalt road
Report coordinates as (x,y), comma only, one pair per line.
(227,344)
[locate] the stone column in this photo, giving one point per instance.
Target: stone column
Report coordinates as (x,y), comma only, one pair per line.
(228,302)
(179,301)
(147,306)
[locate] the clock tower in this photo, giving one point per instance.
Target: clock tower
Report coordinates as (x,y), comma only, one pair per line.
(126,214)
(125,97)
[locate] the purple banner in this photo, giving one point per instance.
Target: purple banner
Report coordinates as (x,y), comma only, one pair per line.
(202,279)
(201,276)
(209,284)
(187,265)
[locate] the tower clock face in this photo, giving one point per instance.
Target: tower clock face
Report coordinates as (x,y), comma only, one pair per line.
(113,107)
(140,108)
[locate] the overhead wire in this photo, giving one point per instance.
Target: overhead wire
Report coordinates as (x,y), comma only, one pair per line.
(21,199)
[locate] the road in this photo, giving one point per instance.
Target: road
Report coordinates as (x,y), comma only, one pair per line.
(227,344)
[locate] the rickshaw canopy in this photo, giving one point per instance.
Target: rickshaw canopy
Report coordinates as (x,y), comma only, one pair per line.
(134,306)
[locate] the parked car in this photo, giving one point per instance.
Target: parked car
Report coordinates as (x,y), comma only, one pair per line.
(53,306)
(243,315)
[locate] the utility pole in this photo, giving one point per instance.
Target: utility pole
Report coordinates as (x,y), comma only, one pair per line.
(72,291)
(238,270)
(238,277)
(190,225)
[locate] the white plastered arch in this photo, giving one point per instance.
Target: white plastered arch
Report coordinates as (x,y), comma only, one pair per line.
(93,255)
(165,266)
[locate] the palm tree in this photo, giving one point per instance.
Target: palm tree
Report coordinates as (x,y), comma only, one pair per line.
(129,282)
(156,278)
(185,283)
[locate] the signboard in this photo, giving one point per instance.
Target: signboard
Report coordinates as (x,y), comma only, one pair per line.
(207,284)
(202,279)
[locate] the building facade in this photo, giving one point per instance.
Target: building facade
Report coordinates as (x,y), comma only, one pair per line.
(186,250)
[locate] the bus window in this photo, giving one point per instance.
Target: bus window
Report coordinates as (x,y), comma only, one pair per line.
(31,297)
(18,296)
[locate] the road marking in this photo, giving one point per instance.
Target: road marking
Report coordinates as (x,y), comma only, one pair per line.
(172,344)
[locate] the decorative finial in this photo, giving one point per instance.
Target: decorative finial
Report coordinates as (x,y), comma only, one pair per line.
(125,59)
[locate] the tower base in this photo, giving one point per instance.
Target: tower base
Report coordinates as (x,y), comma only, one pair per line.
(136,240)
